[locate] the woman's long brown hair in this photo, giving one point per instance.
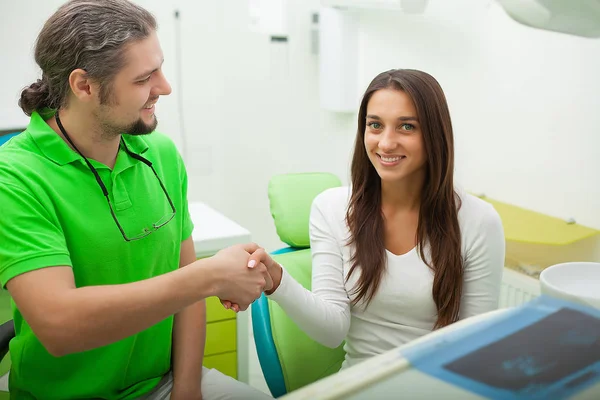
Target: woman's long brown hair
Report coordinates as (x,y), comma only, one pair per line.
(438,216)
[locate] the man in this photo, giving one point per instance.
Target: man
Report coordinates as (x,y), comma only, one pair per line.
(95,234)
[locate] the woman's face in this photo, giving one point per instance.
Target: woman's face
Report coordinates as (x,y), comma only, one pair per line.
(393,138)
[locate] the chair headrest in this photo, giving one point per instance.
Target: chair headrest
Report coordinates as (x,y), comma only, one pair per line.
(290,200)
(4,138)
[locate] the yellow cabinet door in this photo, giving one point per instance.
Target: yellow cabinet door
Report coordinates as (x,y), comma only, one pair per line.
(220,337)
(216,312)
(225,363)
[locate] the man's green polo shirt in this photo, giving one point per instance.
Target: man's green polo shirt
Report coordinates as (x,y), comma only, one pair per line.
(53,213)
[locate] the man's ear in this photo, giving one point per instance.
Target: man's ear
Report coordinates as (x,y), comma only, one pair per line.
(81,86)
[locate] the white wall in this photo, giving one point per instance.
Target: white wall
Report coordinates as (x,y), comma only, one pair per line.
(524,102)
(243,110)
(251,111)
(22,21)
(17,69)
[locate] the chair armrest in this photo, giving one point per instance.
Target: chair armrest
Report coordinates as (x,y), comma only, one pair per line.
(7,332)
(265,347)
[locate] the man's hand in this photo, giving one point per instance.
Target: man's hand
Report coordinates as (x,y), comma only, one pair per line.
(240,281)
(260,256)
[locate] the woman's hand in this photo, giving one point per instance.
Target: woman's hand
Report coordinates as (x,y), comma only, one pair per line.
(273,268)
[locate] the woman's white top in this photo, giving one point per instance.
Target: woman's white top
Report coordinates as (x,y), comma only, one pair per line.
(403,308)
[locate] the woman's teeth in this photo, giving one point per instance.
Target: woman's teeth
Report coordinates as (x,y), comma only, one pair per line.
(391,159)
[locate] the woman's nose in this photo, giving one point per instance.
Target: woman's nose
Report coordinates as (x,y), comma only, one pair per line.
(387,142)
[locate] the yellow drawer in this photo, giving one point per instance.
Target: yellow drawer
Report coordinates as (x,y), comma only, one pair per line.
(216,312)
(220,337)
(226,363)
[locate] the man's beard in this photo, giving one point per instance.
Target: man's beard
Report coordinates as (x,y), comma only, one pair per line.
(136,128)
(139,127)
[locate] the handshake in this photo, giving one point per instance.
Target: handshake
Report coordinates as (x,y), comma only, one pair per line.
(242,273)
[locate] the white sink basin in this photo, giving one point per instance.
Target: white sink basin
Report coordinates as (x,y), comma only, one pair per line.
(573,281)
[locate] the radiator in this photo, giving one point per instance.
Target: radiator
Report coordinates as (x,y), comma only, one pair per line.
(517,288)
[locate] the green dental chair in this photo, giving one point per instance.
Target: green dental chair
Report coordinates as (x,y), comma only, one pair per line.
(289,359)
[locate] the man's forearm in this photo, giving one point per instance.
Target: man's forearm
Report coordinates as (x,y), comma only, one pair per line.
(89,317)
(189,339)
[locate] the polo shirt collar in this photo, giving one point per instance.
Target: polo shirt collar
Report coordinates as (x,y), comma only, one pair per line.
(57,150)
(48,141)
(135,143)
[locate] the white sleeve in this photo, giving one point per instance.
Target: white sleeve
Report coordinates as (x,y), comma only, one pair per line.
(324,313)
(484,266)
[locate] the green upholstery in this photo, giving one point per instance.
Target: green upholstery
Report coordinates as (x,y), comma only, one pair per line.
(290,198)
(302,360)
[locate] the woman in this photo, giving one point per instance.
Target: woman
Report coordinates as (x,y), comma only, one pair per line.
(402,252)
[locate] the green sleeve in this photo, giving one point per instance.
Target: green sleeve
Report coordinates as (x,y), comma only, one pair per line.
(30,235)
(187,226)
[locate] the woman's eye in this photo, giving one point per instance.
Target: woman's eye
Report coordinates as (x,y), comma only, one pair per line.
(407,127)
(144,81)
(374,125)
